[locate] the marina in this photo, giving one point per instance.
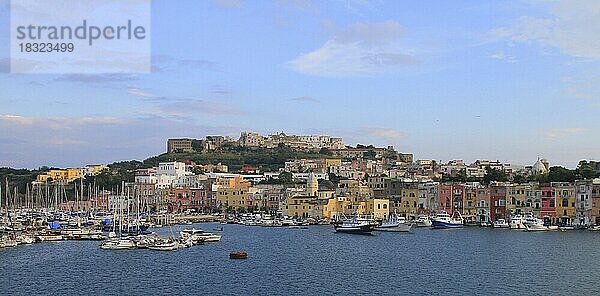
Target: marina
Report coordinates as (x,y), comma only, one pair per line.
(318,258)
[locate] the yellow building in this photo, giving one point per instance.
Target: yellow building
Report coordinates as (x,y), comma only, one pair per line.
(408,204)
(376,208)
(516,199)
(232,193)
(304,206)
(470,203)
(338,207)
(74,174)
(565,202)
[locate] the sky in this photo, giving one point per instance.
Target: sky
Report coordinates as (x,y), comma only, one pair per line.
(497,80)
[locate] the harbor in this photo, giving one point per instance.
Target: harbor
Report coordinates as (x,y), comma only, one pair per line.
(287,260)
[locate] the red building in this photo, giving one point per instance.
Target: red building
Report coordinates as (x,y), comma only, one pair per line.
(548,212)
(191,198)
(445,200)
(451,198)
(497,202)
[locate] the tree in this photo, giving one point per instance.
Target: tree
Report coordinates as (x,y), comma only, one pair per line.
(325,151)
(560,174)
(494,175)
(286,178)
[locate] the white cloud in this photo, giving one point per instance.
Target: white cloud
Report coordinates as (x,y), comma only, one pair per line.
(500,55)
(573,28)
(383,133)
(558,133)
(139,92)
(362,49)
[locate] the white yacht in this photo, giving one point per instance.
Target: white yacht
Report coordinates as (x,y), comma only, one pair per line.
(118,244)
(200,236)
(534,224)
(164,245)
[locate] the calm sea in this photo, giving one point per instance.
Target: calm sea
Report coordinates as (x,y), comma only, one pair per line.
(317,261)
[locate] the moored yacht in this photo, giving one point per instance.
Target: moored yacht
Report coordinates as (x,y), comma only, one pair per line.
(534,224)
(200,236)
(164,245)
(118,244)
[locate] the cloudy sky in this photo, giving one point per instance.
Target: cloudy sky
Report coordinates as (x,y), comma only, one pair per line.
(499,80)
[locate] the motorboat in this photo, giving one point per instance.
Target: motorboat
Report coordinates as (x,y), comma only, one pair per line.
(501,223)
(396,224)
(200,236)
(355,226)
(164,245)
(534,224)
(118,244)
(567,227)
(443,220)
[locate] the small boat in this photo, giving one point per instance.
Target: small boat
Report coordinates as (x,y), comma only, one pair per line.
(396,224)
(118,244)
(443,220)
(594,228)
(566,228)
(164,245)
(423,221)
(485,224)
(501,223)
(355,226)
(200,236)
(238,255)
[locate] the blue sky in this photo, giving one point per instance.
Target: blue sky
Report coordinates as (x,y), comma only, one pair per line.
(499,80)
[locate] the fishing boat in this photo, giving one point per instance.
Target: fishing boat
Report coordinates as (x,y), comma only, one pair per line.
(501,223)
(355,226)
(396,224)
(443,220)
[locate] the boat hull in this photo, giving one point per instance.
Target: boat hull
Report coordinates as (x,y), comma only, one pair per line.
(363,229)
(443,225)
(398,228)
